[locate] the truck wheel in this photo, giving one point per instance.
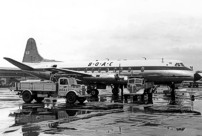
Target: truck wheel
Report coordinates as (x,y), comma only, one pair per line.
(81,100)
(71,97)
(71,112)
(27,97)
(94,92)
(39,99)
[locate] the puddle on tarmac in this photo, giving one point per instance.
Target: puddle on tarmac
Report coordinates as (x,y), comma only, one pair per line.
(104,115)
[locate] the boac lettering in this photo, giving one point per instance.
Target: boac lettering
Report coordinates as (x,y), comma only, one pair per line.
(90,64)
(96,64)
(110,64)
(103,64)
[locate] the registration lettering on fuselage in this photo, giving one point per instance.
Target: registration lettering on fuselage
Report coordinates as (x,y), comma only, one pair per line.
(103,64)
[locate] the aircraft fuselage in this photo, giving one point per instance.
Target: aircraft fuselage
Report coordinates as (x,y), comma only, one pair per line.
(160,72)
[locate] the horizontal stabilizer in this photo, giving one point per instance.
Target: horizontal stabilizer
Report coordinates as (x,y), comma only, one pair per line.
(19,64)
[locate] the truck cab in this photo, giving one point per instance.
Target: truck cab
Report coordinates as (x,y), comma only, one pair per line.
(140,90)
(68,87)
(138,85)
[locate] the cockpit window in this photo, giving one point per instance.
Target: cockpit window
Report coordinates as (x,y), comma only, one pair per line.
(179,65)
(182,64)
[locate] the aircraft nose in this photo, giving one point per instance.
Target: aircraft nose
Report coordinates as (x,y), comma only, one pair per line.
(197,76)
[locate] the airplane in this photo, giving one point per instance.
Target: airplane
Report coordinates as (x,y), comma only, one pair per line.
(98,74)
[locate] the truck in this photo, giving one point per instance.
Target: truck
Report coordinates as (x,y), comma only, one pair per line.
(140,90)
(138,85)
(64,87)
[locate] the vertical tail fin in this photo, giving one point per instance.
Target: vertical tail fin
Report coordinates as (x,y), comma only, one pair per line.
(31,53)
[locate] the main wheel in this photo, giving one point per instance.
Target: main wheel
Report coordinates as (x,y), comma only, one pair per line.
(39,99)
(71,97)
(27,97)
(94,92)
(115,91)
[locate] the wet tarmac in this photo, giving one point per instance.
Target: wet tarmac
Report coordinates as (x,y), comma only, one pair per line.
(104,115)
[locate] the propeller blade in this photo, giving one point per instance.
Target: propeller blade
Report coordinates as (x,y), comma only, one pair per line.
(197,76)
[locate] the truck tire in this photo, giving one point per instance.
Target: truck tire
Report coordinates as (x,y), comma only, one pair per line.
(94,92)
(27,97)
(71,98)
(81,100)
(71,112)
(39,99)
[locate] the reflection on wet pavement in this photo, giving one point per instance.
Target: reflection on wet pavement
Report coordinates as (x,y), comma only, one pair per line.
(103,115)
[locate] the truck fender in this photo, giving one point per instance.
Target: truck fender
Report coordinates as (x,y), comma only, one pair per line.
(27,90)
(73,91)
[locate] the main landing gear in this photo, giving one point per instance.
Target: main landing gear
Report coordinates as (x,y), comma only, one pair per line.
(172,94)
(115,89)
(92,90)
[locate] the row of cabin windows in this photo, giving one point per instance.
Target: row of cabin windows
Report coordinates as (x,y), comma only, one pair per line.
(116,69)
(105,70)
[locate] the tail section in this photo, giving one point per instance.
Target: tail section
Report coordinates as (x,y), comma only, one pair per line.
(31,53)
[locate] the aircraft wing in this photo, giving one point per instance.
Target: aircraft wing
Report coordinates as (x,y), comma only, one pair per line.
(40,73)
(68,71)
(27,68)
(19,64)
(12,72)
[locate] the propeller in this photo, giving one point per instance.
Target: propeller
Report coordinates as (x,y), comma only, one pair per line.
(197,76)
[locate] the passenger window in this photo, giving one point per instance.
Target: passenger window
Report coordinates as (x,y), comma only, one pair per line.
(99,70)
(114,69)
(92,70)
(120,69)
(107,70)
(129,69)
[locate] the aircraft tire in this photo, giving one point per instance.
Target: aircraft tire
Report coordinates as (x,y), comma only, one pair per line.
(115,91)
(94,92)
(71,98)
(27,97)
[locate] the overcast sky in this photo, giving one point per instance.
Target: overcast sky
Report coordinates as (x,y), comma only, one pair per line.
(98,29)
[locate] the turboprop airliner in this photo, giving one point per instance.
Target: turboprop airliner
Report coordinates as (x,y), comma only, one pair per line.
(107,72)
